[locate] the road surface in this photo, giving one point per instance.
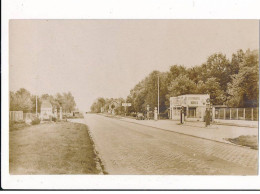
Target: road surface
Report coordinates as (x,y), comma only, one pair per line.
(129,148)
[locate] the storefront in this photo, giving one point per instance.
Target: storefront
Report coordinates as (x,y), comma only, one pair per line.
(194,106)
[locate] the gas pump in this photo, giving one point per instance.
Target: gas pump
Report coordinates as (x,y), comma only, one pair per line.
(207,113)
(182,115)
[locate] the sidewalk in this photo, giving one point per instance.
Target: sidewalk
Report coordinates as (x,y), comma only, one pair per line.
(198,129)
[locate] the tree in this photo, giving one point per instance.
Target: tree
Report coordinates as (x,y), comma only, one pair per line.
(181,85)
(236,61)
(196,74)
(218,66)
(20,101)
(244,89)
(69,103)
(176,71)
(212,88)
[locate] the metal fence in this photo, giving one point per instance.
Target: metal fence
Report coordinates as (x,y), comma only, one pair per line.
(249,114)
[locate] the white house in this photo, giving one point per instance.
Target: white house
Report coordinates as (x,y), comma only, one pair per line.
(194,105)
(46,110)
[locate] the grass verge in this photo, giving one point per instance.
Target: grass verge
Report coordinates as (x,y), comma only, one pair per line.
(52,148)
(246,140)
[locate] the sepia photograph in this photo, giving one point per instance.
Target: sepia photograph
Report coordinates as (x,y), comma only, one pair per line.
(133,97)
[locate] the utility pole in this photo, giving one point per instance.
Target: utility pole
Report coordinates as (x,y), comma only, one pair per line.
(158,97)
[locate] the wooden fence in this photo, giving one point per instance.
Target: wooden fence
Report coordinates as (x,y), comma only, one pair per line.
(20,116)
(16,115)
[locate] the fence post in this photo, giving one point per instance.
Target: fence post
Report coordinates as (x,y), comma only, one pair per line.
(244,114)
(230,113)
(252,114)
(224,113)
(237,113)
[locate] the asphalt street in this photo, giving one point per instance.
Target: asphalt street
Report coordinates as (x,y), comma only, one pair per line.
(129,148)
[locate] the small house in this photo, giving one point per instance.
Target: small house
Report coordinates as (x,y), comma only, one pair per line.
(194,106)
(46,110)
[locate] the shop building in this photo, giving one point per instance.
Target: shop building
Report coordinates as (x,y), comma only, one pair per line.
(194,106)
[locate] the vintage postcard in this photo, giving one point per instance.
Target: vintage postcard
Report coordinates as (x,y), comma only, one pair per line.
(139,97)
(142,97)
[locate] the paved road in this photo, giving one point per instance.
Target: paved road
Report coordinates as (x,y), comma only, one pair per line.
(129,148)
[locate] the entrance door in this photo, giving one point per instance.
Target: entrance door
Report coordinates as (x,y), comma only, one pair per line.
(192,112)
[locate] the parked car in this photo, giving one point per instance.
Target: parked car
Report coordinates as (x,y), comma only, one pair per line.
(140,116)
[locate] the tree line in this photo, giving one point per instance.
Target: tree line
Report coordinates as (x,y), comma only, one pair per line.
(23,100)
(106,104)
(233,82)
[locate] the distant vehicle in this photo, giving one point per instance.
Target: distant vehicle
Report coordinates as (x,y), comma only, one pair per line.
(140,116)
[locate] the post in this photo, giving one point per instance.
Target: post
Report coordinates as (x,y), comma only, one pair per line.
(158,98)
(230,113)
(244,114)
(155,114)
(224,113)
(213,113)
(60,113)
(237,113)
(252,114)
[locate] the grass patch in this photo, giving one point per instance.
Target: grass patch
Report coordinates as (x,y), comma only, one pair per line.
(52,148)
(246,140)
(13,126)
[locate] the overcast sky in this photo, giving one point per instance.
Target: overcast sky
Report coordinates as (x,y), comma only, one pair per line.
(106,58)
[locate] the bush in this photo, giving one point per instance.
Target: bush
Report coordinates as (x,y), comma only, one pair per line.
(36,121)
(54,119)
(133,114)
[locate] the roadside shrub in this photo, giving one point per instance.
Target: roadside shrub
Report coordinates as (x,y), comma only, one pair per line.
(54,119)
(133,114)
(36,121)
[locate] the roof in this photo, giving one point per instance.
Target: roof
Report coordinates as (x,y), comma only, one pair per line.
(46,104)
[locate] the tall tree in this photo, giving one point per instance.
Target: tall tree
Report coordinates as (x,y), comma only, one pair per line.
(218,66)
(69,103)
(212,88)
(244,89)
(181,85)
(21,101)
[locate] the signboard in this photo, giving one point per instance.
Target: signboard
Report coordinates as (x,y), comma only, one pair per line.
(126,104)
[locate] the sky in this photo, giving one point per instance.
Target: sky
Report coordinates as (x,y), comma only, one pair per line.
(107,58)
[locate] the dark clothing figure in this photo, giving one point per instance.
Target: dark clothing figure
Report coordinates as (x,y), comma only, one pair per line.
(207,118)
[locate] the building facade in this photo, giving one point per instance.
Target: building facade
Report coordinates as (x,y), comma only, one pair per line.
(46,110)
(194,106)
